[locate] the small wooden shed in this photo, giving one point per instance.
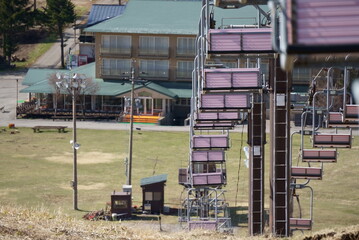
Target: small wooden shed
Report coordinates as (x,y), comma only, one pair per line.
(153,192)
(121,203)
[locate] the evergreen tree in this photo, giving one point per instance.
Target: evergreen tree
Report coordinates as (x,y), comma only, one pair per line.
(13,19)
(60,13)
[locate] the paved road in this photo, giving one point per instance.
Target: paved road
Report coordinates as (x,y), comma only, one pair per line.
(52,58)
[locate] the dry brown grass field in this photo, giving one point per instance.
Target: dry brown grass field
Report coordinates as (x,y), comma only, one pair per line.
(36,199)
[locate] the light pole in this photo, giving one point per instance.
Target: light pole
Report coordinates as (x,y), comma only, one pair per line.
(73,85)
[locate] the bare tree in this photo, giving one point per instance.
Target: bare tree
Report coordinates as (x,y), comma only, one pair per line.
(87,86)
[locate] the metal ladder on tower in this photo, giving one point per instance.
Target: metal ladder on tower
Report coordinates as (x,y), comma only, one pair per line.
(280,139)
(256,141)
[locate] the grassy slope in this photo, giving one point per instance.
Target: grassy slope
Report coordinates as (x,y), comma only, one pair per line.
(28,179)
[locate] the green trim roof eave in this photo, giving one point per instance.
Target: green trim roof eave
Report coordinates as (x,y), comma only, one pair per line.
(153,179)
(170,17)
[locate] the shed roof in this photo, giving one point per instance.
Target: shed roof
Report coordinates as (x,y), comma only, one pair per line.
(154,179)
(169,17)
(102,12)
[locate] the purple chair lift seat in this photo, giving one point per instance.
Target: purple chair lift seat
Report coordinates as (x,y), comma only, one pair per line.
(232,79)
(240,40)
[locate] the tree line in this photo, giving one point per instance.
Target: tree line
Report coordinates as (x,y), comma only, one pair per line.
(16,16)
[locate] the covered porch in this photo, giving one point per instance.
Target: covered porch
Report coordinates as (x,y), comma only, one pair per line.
(153,100)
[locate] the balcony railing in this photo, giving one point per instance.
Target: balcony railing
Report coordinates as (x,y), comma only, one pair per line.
(183,74)
(116,51)
(154,52)
(189,53)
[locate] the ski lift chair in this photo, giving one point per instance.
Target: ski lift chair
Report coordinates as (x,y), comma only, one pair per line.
(308,29)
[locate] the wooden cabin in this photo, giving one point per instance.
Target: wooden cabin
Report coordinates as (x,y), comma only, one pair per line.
(153,193)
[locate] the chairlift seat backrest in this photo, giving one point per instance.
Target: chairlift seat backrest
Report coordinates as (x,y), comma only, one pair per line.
(205,225)
(240,40)
(182,176)
(300,224)
(306,173)
(218,117)
(332,140)
(210,141)
(208,156)
(322,26)
(352,111)
(213,126)
(314,155)
(215,178)
(231,78)
(227,101)
(335,117)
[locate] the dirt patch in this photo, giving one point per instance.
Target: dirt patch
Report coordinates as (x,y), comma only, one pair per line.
(7,191)
(86,158)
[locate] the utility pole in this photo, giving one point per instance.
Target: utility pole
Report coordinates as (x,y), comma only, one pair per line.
(129,171)
(74,182)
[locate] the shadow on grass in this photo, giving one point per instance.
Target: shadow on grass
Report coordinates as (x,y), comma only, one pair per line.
(239,215)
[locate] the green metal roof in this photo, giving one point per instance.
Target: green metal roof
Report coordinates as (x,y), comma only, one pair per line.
(35,75)
(37,80)
(170,17)
(180,89)
(154,179)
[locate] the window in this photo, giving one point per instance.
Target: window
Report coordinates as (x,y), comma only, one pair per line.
(148,196)
(153,196)
(158,104)
(120,204)
(116,44)
(154,68)
(186,46)
(157,196)
(154,46)
(184,69)
(109,103)
(116,67)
